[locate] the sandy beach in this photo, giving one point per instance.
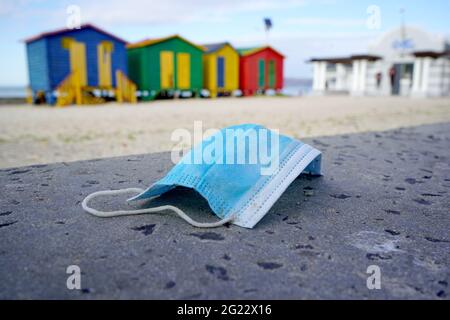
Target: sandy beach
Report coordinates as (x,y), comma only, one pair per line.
(41,134)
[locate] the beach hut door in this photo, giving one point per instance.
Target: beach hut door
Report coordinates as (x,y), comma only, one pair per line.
(220,72)
(77,53)
(183,70)
(271,74)
(104,50)
(261,74)
(167,69)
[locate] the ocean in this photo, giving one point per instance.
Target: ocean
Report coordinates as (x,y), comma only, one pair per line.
(13,92)
(297,87)
(292,88)
(297,90)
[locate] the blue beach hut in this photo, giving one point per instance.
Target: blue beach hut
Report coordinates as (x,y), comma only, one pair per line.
(83,66)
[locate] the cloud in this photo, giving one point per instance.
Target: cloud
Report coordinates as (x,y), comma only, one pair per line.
(9,7)
(140,13)
(328,22)
(134,12)
(6,7)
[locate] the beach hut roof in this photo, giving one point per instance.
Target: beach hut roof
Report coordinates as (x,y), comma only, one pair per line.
(150,42)
(213,47)
(66,30)
(253,50)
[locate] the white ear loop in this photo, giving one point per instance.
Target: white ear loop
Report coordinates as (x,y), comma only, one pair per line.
(108,214)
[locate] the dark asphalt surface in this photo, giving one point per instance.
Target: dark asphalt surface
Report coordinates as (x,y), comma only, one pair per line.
(383,200)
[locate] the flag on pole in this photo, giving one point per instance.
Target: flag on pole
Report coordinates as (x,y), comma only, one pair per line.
(268,23)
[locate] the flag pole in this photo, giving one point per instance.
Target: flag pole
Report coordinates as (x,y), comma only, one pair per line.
(267,27)
(403,31)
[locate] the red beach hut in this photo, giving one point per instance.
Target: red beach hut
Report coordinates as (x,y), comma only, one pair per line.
(260,69)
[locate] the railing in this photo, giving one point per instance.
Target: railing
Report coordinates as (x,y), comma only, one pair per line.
(30,98)
(126,89)
(69,91)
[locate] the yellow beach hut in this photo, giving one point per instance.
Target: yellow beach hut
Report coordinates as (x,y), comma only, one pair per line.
(220,68)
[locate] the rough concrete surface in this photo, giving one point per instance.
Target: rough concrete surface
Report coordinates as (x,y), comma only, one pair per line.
(383,200)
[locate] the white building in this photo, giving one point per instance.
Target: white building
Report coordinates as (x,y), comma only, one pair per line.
(406,61)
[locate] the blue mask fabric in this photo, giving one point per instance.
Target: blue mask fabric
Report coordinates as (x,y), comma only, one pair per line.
(241,171)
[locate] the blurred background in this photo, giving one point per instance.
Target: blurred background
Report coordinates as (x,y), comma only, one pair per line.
(301,29)
(350,66)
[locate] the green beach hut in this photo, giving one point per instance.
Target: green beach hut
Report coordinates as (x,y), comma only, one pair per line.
(161,67)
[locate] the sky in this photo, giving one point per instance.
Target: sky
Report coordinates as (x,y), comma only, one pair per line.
(301,28)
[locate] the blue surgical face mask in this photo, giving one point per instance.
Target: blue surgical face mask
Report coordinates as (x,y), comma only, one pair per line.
(241,171)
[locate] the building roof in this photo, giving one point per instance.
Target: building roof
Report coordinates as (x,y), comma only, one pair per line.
(66,30)
(249,51)
(431,54)
(347,60)
(369,57)
(150,42)
(213,47)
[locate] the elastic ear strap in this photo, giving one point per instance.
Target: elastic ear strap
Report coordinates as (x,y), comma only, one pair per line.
(108,214)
